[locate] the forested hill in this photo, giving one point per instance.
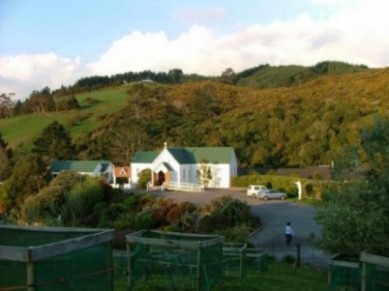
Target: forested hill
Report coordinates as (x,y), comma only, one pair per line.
(296,124)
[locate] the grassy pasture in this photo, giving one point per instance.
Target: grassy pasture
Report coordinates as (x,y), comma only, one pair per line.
(95,106)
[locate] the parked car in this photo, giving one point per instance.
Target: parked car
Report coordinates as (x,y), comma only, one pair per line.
(262,192)
(254,190)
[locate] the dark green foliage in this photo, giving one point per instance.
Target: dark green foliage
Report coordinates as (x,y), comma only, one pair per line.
(309,189)
(354,217)
(6,154)
(39,102)
(81,199)
(54,143)
(70,199)
(175,76)
(265,76)
(28,178)
(64,103)
(226,211)
(228,76)
(333,67)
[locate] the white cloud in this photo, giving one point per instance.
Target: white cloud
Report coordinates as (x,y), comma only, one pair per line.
(355,32)
(199,16)
(299,41)
(24,73)
(332,3)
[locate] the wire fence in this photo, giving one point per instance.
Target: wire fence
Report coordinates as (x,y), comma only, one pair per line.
(299,253)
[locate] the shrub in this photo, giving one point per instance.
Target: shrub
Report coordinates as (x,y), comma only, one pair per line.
(144,178)
(236,234)
(42,207)
(144,220)
(226,211)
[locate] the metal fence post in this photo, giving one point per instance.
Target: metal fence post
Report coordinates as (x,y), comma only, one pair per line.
(298,255)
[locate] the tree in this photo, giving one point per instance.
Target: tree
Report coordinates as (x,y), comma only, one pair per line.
(5,160)
(204,173)
(175,76)
(68,200)
(228,76)
(64,103)
(54,143)
(6,105)
(28,177)
(39,101)
(354,217)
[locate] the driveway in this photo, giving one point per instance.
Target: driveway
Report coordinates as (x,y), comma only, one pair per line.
(274,215)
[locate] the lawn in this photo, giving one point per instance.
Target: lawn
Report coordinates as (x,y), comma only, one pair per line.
(277,277)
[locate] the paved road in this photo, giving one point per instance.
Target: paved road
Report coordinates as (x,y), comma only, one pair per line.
(274,215)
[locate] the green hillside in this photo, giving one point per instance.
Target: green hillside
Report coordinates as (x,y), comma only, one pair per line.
(295,125)
(95,107)
(265,76)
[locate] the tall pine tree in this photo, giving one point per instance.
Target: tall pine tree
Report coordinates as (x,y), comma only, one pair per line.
(54,143)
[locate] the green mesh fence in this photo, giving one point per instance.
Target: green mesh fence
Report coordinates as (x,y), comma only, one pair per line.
(235,259)
(345,274)
(257,259)
(55,259)
(375,272)
(376,277)
(174,261)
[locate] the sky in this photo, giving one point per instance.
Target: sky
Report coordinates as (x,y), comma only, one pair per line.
(56,42)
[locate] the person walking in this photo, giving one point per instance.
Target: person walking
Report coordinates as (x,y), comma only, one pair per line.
(289,233)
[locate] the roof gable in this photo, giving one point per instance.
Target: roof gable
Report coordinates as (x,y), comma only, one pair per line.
(122,172)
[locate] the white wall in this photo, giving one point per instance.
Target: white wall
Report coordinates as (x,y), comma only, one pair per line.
(221,173)
(136,168)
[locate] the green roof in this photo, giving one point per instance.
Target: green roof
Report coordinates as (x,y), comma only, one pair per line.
(78,166)
(191,155)
(195,155)
(144,157)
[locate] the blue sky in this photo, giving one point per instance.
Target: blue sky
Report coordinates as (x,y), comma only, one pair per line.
(55,42)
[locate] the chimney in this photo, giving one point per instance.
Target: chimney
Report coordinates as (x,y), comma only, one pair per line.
(165,145)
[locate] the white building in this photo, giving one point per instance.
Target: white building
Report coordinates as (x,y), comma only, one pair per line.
(177,167)
(100,168)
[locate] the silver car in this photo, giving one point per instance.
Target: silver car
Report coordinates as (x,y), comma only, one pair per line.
(267,194)
(262,192)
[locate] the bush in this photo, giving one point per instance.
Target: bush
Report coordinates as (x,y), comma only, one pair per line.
(236,234)
(42,207)
(226,211)
(144,178)
(81,199)
(144,220)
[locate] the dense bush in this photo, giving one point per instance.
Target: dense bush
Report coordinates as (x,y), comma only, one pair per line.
(70,199)
(225,212)
(354,216)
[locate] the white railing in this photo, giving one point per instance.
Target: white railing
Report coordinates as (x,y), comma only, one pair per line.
(190,187)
